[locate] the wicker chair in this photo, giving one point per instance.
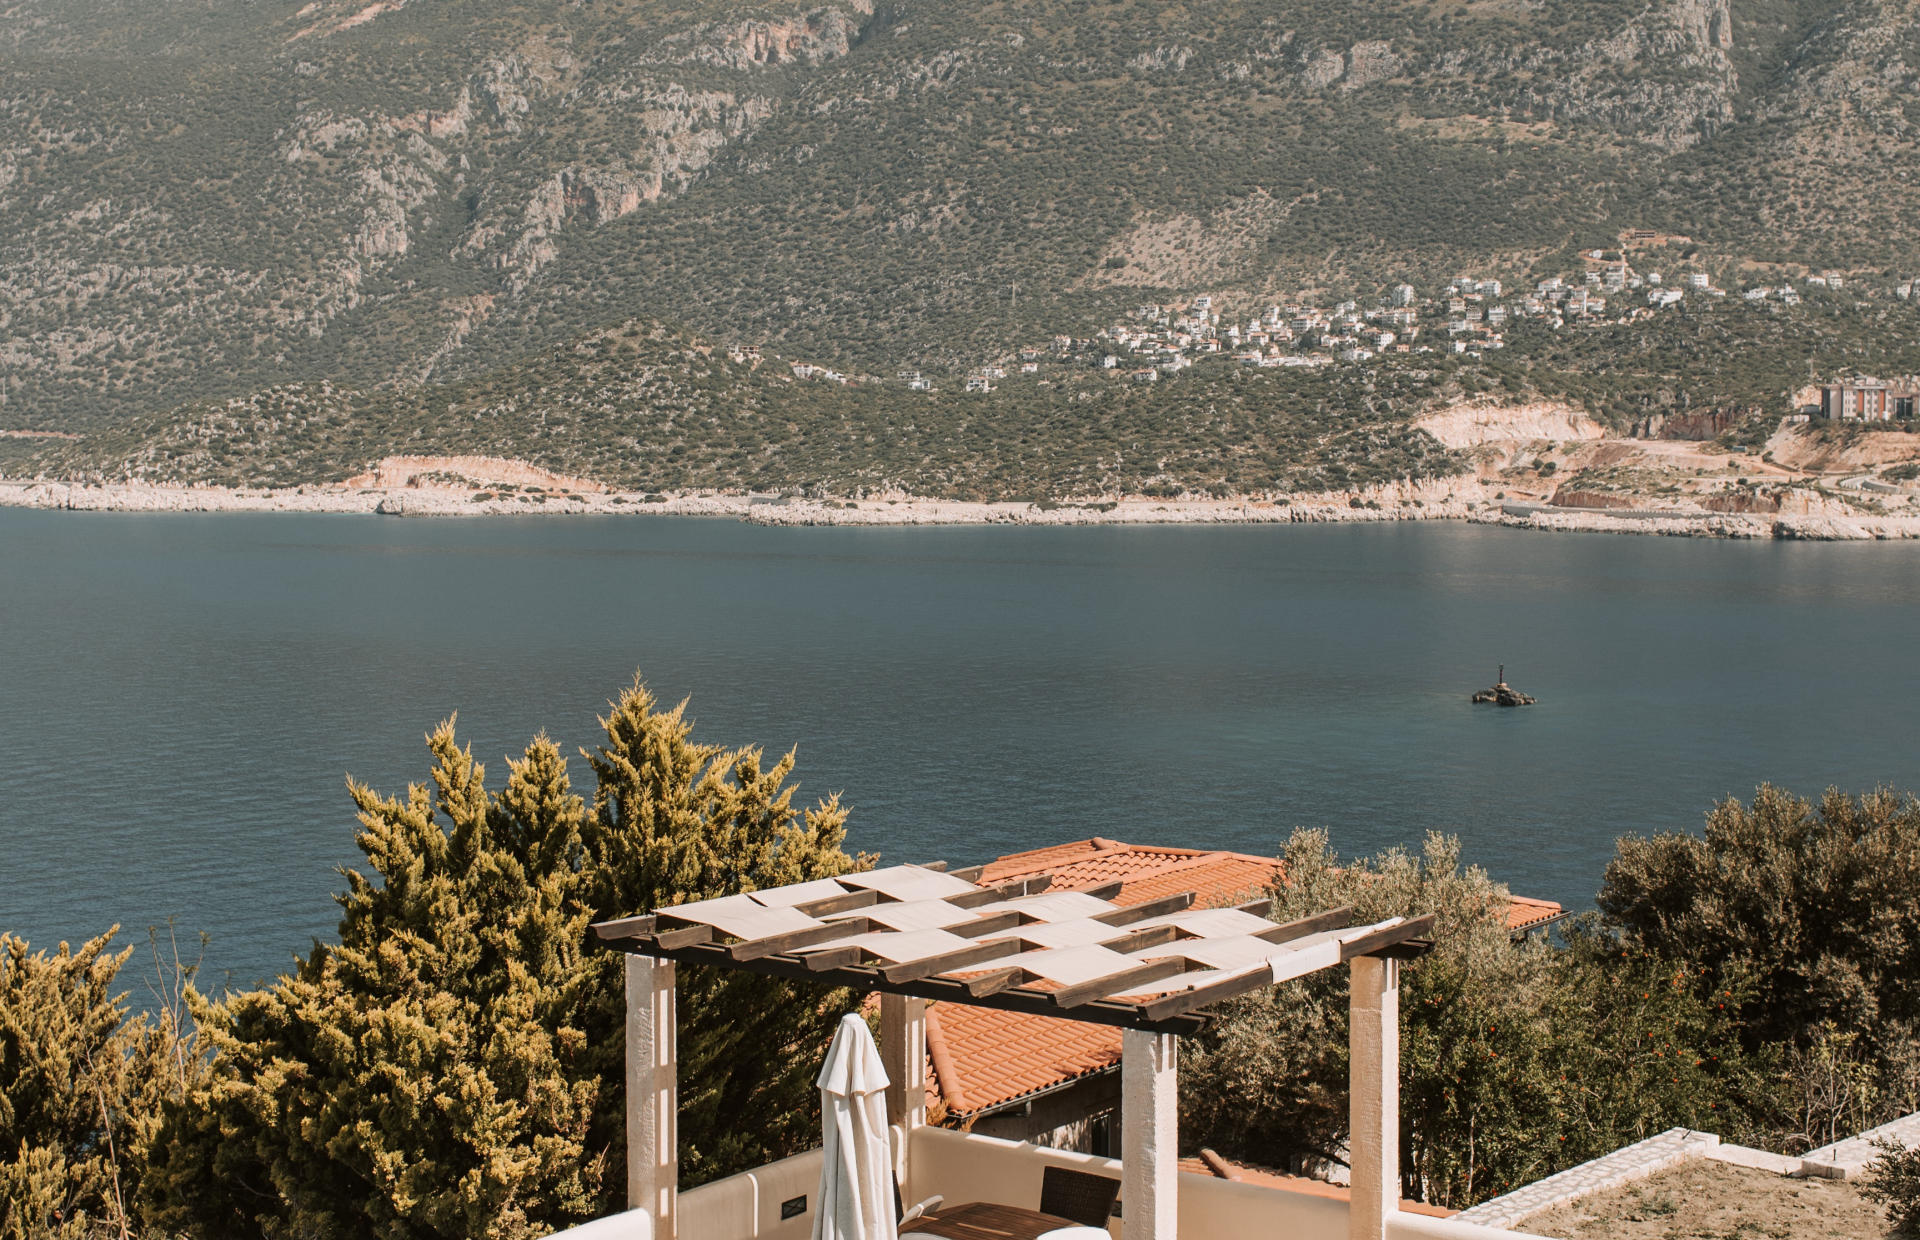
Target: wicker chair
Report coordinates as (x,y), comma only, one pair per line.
(1085,1198)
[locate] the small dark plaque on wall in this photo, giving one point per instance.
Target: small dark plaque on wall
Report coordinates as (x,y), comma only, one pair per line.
(793,1207)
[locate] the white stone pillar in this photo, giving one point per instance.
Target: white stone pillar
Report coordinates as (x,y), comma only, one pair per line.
(1150,1137)
(653,1101)
(903,1053)
(1374,1096)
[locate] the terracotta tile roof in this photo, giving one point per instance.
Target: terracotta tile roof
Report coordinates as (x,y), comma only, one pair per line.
(1524,912)
(981,1060)
(1212,1164)
(1144,873)
(1216,879)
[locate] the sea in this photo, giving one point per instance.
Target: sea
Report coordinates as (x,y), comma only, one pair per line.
(183,697)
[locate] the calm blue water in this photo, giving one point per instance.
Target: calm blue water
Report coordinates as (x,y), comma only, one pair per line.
(182,697)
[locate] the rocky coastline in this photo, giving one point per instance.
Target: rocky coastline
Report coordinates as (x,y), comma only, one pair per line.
(1800,528)
(1458,499)
(413,501)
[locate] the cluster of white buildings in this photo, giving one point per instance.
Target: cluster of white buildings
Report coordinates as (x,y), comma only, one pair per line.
(1166,339)
(1159,340)
(807,370)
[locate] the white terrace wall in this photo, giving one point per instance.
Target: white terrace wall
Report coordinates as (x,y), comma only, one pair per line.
(964,1167)
(747,1206)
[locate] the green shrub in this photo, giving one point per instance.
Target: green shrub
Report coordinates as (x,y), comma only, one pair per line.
(1793,893)
(1893,1180)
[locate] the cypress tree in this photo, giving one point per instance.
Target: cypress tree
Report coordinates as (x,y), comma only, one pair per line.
(452,1067)
(81,1086)
(675,821)
(426,1077)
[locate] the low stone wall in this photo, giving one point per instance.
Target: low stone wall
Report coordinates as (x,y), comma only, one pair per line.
(1623,1166)
(1845,1160)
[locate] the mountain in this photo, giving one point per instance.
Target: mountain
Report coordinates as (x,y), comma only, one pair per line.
(206,198)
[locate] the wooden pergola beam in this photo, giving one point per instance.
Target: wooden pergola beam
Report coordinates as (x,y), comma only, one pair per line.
(863,977)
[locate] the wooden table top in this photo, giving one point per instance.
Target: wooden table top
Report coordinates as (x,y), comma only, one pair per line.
(986,1220)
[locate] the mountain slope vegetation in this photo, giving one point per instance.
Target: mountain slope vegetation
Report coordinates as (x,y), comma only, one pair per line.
(205,198)
(646,407)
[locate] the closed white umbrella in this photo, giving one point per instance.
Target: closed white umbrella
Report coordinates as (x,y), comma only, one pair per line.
(856,1174)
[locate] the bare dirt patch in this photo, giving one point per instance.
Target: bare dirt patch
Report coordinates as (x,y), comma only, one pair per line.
(1706,1200)
(1471,426)
(1824,448)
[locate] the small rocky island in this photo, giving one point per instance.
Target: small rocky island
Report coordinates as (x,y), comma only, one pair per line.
(1503,694)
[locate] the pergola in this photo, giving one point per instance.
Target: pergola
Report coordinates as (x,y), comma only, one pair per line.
(918,932)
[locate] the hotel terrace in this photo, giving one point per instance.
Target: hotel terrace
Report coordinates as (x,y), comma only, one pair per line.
(1020,981)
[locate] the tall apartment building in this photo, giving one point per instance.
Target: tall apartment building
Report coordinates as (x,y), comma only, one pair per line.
(1868,400)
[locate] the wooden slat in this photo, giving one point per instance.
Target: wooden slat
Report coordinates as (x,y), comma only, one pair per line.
(968,957)
(949,962)
(832,958)
(940,866)
(686,937)
(1258,908)
(971,874)
(991,983)
(839,904)
(989,895)
(1105,891)
(1369,944)
(995,924)
(1152,908)
(839,957)
(776,944)
(1116,983)
(1389,939)
(1332,919)
(1193,1000)
(1134,940)
(625,927)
